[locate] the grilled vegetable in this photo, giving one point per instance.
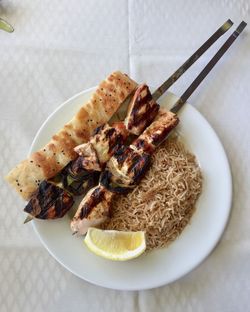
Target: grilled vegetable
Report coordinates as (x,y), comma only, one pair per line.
(49,202)
(76,179)
(105,180)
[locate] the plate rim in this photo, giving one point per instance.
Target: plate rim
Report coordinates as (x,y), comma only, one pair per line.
(192,267)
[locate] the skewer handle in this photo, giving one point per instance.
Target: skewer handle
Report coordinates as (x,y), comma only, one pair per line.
(193,58)
(178,105)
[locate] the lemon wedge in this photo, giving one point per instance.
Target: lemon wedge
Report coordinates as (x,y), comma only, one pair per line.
(115,245)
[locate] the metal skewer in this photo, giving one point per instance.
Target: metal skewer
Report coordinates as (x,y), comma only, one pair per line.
(178,105)
(193,58)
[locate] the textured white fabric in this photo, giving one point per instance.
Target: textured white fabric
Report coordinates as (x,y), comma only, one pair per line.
(61,47)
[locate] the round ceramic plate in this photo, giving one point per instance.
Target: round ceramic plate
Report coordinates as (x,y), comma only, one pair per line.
(158,267)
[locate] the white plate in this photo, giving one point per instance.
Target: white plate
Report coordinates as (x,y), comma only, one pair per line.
(162,266)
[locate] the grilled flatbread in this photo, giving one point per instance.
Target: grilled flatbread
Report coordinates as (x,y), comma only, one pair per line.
(51,159)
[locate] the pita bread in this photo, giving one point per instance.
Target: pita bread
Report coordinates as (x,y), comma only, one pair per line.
(51,159)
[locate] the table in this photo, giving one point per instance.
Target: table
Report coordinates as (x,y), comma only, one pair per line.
(62,47)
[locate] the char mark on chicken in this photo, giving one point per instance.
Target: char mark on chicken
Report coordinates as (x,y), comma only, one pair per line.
(128,166)
(87,159)
(107,140)
(93,210)
(141,111)
(157,131)
(49,202)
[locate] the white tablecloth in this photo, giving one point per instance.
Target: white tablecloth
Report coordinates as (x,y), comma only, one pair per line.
(61,47)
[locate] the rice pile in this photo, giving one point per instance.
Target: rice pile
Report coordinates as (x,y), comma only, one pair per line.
(164,202)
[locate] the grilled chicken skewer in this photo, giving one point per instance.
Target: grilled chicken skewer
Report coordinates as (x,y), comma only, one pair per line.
(192,60)
(138,115)
(82,173)
(124,171)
